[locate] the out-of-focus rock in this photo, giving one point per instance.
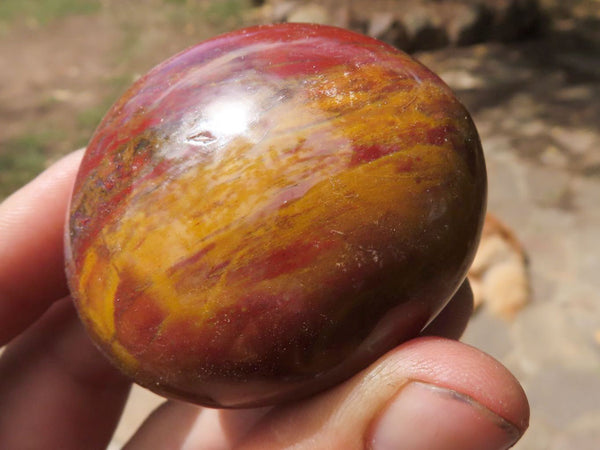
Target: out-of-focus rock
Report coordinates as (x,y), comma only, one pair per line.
(513,19)
(466,23)
(420,24)
(277,11)
(499,276)
(385,26)
(425,27)
(310,13)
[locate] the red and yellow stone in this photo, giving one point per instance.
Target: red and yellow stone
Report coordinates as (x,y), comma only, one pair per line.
(264,214)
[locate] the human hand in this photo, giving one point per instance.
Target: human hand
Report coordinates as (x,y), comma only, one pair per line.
(58,391)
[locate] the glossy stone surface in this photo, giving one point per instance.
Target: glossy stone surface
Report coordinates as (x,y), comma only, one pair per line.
(264,214)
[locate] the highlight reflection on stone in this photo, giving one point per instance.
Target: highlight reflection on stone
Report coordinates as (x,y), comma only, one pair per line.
(264,214)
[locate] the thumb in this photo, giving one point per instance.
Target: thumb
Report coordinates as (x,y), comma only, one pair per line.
(430,393)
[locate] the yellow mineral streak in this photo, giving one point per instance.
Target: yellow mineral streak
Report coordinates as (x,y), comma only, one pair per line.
(126,359)
(229,202)
(99,281)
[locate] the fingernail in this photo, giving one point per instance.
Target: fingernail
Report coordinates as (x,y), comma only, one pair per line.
(424,416)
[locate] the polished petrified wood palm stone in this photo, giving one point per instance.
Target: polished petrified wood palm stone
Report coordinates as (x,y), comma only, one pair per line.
(264,214)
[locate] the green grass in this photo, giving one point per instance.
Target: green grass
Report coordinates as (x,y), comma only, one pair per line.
(23,157)
(223,15)
(43,11)
(90,118)
(226,11)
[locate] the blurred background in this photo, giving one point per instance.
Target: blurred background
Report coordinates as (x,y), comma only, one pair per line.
(529,72)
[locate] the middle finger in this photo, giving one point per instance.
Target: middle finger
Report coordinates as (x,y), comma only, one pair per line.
(56,389)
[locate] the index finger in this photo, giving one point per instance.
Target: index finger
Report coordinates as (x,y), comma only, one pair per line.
(31,246)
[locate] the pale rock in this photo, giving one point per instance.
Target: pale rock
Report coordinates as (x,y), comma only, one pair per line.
(383,25)
(280,10)
(310,13)
(499,272)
